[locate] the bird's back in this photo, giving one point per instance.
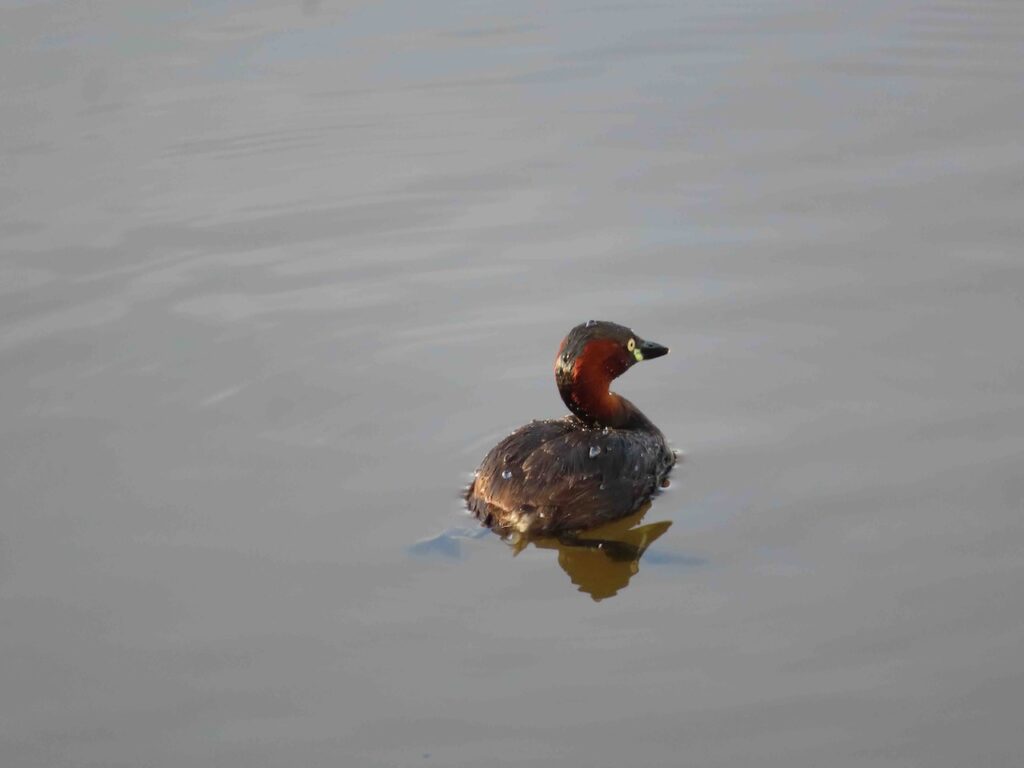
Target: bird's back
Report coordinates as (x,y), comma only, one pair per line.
(562,474)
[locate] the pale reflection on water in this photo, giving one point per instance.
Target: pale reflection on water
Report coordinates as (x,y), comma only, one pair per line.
(600,562)
(273,277)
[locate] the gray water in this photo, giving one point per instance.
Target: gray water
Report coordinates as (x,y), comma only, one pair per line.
(274,277)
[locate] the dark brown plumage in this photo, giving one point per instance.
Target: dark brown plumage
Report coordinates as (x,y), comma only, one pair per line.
(597,465)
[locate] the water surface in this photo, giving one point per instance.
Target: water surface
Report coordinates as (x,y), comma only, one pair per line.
(273,278)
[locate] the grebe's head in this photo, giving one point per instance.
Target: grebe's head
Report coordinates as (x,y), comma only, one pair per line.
(588,359)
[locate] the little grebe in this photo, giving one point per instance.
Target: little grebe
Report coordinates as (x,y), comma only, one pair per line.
(599,464)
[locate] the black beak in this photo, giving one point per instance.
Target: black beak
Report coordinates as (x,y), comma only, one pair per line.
(651,350)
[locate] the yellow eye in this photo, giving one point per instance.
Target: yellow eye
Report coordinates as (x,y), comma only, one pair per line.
(632,347)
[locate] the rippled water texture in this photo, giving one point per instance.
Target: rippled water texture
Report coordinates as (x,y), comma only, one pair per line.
(274,277)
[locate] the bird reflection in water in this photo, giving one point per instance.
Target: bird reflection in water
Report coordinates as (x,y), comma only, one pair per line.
(601,561)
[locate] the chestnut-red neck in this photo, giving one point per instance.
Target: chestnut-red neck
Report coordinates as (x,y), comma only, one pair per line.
(583,383)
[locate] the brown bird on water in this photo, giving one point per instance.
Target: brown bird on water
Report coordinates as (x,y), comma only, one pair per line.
(597,465)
